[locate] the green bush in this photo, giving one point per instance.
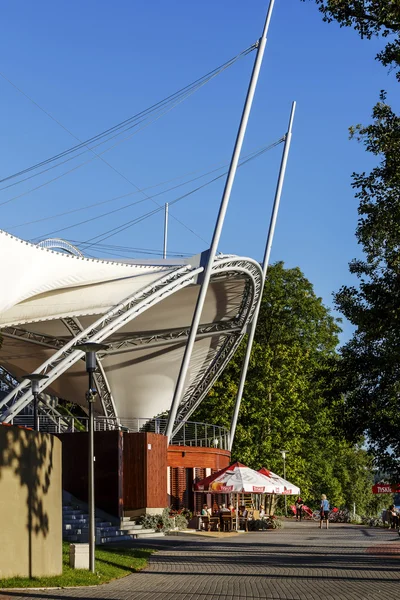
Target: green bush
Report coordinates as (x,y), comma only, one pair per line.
(165,522)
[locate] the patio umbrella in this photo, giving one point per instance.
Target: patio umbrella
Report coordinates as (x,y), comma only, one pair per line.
(280,485)
(236,479)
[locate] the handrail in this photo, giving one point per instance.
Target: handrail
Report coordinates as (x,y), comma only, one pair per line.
(191,433)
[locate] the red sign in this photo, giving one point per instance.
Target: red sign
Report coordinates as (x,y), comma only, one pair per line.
(385,488)
(226,488)
(258,490)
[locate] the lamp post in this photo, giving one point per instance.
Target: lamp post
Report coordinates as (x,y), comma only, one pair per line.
(35,379)
(90,349)
(283,452)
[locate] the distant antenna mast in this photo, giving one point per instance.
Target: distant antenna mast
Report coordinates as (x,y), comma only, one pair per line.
(165,230)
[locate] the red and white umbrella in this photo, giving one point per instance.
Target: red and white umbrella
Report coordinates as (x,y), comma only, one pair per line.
(280,485)
(236,479)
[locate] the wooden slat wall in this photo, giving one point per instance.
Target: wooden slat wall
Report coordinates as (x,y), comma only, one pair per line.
(178,487)
(199,499)
(156,469)
(107,468)
(129,475)
(134,471)
(144,471)
(191,457)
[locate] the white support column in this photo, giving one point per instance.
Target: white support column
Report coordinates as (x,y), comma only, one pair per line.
(218,226)
(267,254)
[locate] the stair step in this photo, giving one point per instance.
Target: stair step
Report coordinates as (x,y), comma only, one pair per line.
(142,534)
(145,532)
(110,540)
(83,521)
(131,526)
(76,528)
(71,513)
(112,531)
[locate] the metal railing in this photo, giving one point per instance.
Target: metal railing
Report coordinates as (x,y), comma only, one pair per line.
(190,434)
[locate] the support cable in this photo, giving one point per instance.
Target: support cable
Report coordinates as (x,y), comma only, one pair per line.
(119,228)
(194,85)
(249,158)
(200,82)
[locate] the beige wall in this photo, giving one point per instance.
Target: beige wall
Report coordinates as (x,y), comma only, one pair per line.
(30,503)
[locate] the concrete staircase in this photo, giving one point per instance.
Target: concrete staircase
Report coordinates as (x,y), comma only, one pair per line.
(76,528)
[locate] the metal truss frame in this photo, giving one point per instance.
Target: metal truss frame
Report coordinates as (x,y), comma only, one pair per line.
(163,337)
(44,408)
(207,376)
(111,321)
(134,305)
(59,244)
(103,388)
(48,341)
(7,380)
(134,342)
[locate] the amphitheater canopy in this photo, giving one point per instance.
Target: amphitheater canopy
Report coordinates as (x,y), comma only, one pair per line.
(142,310)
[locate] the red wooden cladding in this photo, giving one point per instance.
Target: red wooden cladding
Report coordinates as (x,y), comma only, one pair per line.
(178,487)
(131,470)
(106,468)
(144,471)
(191,457)
(134,471)
(199,499)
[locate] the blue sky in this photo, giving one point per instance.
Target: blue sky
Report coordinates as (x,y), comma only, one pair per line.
(92,64)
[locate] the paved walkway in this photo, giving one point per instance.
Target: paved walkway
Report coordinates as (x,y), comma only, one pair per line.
(300,562)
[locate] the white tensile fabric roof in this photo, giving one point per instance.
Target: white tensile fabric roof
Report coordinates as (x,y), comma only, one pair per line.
(50,300)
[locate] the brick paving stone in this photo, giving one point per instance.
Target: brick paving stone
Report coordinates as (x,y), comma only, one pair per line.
(300,562)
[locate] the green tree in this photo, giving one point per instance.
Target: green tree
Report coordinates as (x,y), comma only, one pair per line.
(370,368)
(285,397)
(369,371)
(283,405)
(370,18)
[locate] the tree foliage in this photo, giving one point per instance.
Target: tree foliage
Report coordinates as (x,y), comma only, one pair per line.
(369,372)
(371,359)
(284,404)
(370,18)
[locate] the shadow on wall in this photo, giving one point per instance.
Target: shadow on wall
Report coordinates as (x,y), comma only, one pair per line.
(26,476)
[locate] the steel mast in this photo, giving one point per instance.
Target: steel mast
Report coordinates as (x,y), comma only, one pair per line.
(206,276)
(267,254)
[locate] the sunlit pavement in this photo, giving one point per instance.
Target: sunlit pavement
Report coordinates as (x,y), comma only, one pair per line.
(299,562)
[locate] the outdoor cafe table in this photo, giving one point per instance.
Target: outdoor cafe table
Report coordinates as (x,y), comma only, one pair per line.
(210,523)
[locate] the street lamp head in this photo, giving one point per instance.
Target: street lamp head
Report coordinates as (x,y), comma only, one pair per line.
(283,452)
(35,379)
(90,349)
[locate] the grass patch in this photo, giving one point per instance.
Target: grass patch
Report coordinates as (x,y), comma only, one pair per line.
(110,564)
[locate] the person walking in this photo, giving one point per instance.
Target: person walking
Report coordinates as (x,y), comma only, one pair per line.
(393,517)
(324,511)
(299,508)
